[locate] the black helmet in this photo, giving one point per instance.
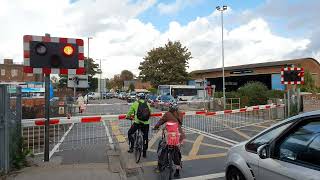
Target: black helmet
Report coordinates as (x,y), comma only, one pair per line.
(141,96)
(173,106)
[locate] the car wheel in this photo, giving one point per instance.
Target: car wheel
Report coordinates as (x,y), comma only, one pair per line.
(235,174)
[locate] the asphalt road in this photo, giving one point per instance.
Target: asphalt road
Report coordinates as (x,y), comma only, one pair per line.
(203,155)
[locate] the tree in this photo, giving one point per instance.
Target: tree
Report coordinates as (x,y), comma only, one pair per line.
(54,81)
(126,75)
(131,87)
(166,65)
(116,82)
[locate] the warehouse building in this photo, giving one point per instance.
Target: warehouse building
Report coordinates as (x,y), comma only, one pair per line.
(268,73)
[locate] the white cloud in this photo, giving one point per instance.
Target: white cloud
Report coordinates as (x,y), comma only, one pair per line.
(122,40)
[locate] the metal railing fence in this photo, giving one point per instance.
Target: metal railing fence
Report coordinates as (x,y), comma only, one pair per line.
(86,131)
(10,126)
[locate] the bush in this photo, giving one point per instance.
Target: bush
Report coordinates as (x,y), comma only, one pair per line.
(275,94)
(232,94)
(256,92)
(153,90)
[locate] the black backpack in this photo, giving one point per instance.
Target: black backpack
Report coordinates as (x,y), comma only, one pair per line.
(143,112)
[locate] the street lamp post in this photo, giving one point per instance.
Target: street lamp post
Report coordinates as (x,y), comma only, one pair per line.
(88,63)
(222,9)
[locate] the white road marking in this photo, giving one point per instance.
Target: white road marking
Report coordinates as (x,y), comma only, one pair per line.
(213,136)
(56,147)
(209,176)
(108,135)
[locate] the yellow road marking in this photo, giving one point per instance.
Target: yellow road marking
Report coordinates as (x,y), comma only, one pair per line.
(116,132)
(196,145)
(189,158)
(206,156)
(155,138)
(206,144)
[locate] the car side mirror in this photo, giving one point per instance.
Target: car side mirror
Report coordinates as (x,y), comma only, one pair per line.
(263,151)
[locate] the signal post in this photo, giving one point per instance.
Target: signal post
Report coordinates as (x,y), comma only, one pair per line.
(52,55)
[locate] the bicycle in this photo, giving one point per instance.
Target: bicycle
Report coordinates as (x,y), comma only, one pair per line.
(167,169)
(138,144)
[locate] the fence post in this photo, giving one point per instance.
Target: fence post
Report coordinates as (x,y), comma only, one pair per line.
(6,109)
(19,116)
(2,147)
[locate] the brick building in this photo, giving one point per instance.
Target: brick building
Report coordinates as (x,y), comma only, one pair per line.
(138,84)
(13,72)
(267,73)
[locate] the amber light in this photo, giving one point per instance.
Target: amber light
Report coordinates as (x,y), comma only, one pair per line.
(68,50)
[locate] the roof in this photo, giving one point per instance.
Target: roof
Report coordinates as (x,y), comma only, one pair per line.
(258,65)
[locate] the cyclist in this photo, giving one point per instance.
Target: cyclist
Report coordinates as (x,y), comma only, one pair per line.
(141,111)
(173,115)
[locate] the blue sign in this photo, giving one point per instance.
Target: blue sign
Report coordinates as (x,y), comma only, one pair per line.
(276,82)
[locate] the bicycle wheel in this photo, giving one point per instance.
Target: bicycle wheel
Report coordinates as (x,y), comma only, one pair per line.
(167,171)
(138,148)
(170,165)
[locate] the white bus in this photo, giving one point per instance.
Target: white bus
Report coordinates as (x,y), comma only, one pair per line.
(180,92)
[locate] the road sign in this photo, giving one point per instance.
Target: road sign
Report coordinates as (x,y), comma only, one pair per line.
(78,81)
(53,55)
(292,75)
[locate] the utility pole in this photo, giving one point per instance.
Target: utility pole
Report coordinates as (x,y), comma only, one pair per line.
(100,80)
(88,63)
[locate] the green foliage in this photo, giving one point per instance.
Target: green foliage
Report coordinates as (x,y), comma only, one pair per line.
(166,65)
(131,87)
(232,94)
(20,159)
(278,94)
(93,82)
(126,75)
(116,82)
(90,66)
(153,90)
(309,84)
(256,93)
(63,81)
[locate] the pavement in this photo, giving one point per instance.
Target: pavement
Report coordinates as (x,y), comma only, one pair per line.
(95,171)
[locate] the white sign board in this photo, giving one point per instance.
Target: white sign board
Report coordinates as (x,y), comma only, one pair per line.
(78,81)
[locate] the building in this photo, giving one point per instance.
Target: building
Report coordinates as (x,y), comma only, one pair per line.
(13,73)
(267,73)
(138,84)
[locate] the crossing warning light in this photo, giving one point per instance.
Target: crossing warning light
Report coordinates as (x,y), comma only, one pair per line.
(53,55)
(292,75)
(68,50)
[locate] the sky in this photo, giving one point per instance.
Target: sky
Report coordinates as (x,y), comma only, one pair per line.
(124,31)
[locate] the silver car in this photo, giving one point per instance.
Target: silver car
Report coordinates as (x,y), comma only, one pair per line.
(287,150)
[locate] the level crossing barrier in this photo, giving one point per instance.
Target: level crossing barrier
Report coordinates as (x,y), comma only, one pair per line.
(83,131)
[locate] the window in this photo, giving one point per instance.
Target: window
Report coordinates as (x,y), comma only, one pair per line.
(3,72)
(266,137)
(302,146)
(14,72)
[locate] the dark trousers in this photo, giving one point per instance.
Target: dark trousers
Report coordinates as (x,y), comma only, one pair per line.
(145,130)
